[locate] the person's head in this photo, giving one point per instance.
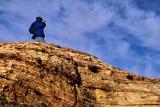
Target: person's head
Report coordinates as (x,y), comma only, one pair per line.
(39,19)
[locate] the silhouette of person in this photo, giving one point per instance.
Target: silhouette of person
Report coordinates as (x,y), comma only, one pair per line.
(37,29)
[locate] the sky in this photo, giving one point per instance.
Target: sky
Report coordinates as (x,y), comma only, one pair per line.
(123,33)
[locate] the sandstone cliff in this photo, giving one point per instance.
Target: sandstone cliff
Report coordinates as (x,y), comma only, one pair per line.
(46,75)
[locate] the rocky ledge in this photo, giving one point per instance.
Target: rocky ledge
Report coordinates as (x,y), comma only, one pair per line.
(47,75)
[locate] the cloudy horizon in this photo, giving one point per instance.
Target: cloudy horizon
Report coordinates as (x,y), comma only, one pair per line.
(123,33)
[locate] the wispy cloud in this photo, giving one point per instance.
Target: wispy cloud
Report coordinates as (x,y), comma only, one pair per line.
(121,33)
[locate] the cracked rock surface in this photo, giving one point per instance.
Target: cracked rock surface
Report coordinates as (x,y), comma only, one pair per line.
(47,75)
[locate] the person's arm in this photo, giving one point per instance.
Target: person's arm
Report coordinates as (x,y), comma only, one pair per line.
(31,29)
(44,24)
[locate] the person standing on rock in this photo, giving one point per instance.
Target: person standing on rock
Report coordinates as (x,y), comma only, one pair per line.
(36,29)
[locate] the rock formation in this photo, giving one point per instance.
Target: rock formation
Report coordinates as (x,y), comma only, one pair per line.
(47,75)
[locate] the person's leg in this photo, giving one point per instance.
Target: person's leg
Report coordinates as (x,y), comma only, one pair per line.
(38,39)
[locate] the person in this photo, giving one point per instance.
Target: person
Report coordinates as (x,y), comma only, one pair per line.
(36,29)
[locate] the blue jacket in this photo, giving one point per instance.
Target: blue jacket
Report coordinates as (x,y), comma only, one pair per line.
(37,28)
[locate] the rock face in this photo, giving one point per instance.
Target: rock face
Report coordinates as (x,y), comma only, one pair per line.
(46,75)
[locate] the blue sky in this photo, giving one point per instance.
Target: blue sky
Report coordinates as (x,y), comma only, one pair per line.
(124,33)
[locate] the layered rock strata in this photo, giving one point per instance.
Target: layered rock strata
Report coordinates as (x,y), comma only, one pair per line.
(47,75)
